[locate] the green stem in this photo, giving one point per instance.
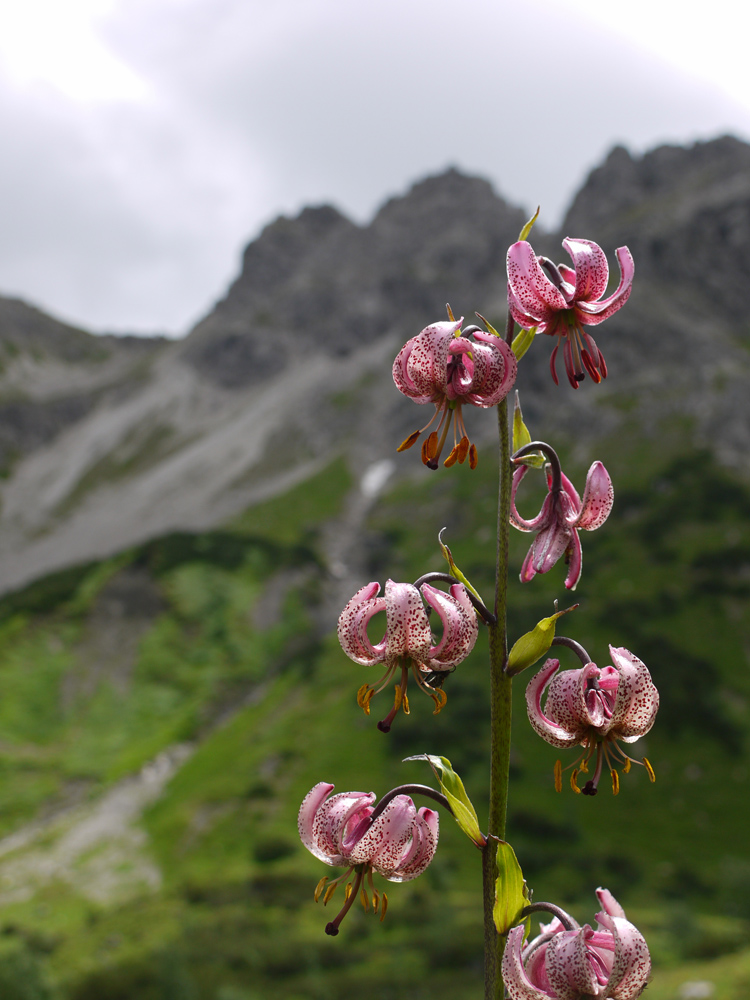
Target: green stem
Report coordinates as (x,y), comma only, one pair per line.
(500,717)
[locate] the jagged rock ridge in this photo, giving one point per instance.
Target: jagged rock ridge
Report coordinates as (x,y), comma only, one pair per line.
(108,441)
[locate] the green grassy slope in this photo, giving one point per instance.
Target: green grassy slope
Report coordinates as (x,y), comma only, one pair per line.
(215,647)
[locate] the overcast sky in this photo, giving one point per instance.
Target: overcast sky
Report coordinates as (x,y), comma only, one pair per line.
(146,141)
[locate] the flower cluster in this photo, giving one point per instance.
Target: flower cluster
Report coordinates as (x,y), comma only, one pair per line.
(408,644)
(444,367)
(561,301)
(568,962)
(398,842)
(594,708)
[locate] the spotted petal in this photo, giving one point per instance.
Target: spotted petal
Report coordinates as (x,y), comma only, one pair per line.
(422,850)
(550,729)
(322,822)
(532,288)
(598,497)
(590,267)
(516,980)
(593,313)
(637,698)
(408,629)
(352,626)
(460,627)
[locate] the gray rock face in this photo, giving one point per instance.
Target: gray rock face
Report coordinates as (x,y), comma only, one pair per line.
(108,441)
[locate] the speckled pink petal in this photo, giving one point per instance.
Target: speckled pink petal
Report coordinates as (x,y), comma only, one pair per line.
(591,270)
(427,366)
(608,903)
(546,727)
(598,497)
(593,313)
(637,698)
(401,377)
(352,626)
(424,842)
(460,627)
(540,319)
(516,980)
(408,629)
(532,288)
(386,841)
(568,967)
(631,967)
(495,371)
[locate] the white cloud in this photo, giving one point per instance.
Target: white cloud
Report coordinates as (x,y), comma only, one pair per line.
(127,205)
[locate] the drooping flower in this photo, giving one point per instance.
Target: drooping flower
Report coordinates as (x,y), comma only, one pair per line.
(444,367)
(408,643)
(562,516)
(596,709)
(568,962)
(398,842)
(561,301)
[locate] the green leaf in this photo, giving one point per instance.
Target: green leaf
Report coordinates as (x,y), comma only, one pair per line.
(524,234)
(453,789)
(511,894)
(522,342)
(454,570)
(534,644)
(522,437)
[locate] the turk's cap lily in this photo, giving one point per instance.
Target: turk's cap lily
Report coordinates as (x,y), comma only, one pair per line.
(596,709)
(560,301)
(398,842)
(444,367)
(408,643)
(568,962)
(562,516)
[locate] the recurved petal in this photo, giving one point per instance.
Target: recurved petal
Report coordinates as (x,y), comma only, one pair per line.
(543,517)
(591,270)
(401,377)
(575,561)
(384,843)
(517,982)
(548,728)
(352,626)
(631,967)
(637,699)
(460,627)
(593,313)
(532,288)
(422,849)
(427,365)
(495,370)
(598,497)
(609,904)
(568,967)
(408,629)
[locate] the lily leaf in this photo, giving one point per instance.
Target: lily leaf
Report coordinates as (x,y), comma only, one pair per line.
(453,789)
(454,570)
(522,437)
(534,644)
(522,342)
(511,894)
(524,234)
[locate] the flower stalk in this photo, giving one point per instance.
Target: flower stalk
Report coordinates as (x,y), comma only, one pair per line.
(500,717)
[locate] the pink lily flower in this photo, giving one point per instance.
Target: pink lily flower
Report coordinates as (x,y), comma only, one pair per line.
(408,642)
(596,709)
(444,367)
(398,842)
(562,516)
(568,962)
(561,301)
